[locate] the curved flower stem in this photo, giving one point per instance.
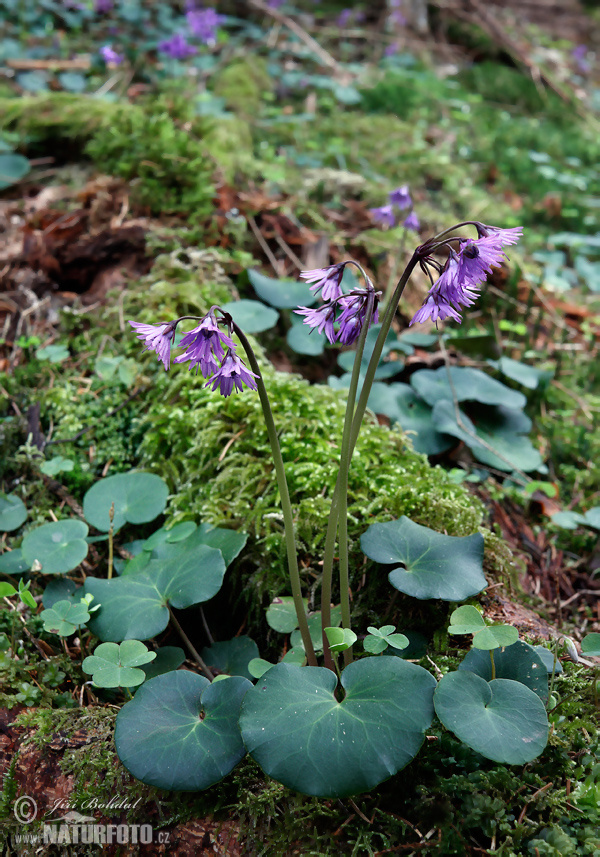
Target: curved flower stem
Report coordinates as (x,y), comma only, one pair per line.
(342,486)
(284,494)
(191,648)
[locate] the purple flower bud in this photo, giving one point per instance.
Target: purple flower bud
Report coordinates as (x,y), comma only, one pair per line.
(158,338)
(232,373)
(352,318)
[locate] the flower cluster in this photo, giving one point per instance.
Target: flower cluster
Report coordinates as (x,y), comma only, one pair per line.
(465,271)
(207,349)
(342,316)
(388,215)
(202,24)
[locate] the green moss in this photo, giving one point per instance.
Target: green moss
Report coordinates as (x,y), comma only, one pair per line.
(243,84)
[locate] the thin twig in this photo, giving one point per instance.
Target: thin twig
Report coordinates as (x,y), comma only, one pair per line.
(292,25)
(265,247)
(191,648)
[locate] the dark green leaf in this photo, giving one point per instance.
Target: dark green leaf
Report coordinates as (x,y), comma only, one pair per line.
(299,733)
(231,656)
(58,547)
(251,316)
(518,662)
(469,385)
(435,565)
(12,512)
(138,497)
(283,294)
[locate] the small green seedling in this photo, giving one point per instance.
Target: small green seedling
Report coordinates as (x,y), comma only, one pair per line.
(468,620)
(64,617)
(379,639)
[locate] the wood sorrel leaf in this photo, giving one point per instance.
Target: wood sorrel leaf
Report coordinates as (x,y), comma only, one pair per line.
(58,547)
(518,662)
(466,620)
(501,719)
(495,636)
(115,666)
(138,497)
(435,565)
(181,732)
(64,617)
(298,732)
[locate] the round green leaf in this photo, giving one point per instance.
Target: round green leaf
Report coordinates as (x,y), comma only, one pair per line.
(522,373)
(547,658)
(568,520)
(231,656)
(169,536)
(375,645)
(12,512)
(518,662)
(58,547)
(315,629)
(12,169)
(590,645)
(495,636)
(54,353)
(7,590)
(134,606)
(283,294)
(251,316)
(469,385)
(401,404)
(592,518)
(13,562)
(180,732)
(57,464)
(281,614)
(59,589)
(435,565)
(503,720)
(138,497)
(305,340)
(298,732)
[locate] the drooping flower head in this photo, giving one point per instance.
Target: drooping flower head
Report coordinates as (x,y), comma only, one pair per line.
(401,197)
(205,346)
(326,280)
(465,271)
(412,222)
(232,373)
(321,319)
(158,338)
(385,215)
(353,314)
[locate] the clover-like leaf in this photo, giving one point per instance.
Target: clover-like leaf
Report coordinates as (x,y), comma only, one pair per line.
(181,732)
(378,639)
(64,617)
(502,719)
(518,662)
(495,636)
(58,547)
(114,666)
(138,497)
(12,512)
(466,620)
(435,565)
(134,606)
(302,736)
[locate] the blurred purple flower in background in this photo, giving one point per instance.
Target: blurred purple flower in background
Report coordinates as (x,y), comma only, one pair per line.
(103,7)
(412,222)
(579,54)
(344,17)
(385,215)
(177,47)
(401,197)
(203,24)
(110,56)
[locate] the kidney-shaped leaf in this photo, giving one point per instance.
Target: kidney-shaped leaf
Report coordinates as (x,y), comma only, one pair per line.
(134,606)
(281,614)
(401,404)
(12,512)
(283,294)
(471,385)
(300,735)
(435,565)
(518,662)
(251,316)
(138,497)
(181,732)
(501,719)
(58,547)
(590,645)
